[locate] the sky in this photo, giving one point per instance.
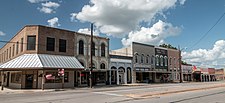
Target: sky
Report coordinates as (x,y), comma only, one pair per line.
(177,22)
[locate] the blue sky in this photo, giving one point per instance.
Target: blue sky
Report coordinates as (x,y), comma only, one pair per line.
(177,22)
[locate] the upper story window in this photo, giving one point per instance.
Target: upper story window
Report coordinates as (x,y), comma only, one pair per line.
(147,59)
(62,45)
(31,41)
(174,62)
(152,59)
(157,60)
(161,60)
(93,49)
(170,61)
(13,49)
(81,47)
(50,44)
(17,47)
(136,58)
(142,58)
(166,60)
(21,45)
(102,66)
(10,52)
(103,50)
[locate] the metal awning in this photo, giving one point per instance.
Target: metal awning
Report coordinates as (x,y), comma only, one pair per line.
(40,61)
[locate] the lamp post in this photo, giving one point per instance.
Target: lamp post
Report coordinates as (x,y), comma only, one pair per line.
(90,78)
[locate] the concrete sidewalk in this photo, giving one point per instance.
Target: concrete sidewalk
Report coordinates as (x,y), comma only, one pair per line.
(181,88)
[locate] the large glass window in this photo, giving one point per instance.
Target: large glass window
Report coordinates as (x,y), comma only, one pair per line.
(103,50)
(50,44)
(62,45)
(81,47)
(57,79)
(31,41)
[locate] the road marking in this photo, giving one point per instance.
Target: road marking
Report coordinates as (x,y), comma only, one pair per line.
(111,94)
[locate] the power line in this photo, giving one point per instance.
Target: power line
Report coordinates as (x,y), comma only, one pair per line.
(208,31)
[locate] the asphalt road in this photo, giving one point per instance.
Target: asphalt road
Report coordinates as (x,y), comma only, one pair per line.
(160,93)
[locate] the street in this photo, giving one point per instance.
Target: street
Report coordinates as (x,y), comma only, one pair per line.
(208,92)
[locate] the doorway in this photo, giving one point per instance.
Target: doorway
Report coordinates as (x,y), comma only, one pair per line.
(29,81)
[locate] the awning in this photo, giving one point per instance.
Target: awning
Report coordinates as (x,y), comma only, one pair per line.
(41,61)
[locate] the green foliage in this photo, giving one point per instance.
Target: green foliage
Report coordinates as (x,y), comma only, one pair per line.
(167,46)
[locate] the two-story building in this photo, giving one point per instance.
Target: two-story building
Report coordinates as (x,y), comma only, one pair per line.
(33,57)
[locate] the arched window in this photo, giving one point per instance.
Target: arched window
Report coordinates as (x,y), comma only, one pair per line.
(165,60)
(170,61)
(161,60)
(81,47)
(174,62)
(157,60)
(152,59)
(93,48)
(136,58)
(102,66)
(103,50)
(147,59)
(142,58)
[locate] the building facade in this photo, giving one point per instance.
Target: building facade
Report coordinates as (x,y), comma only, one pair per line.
(187,72)
(51,49)
(173,64)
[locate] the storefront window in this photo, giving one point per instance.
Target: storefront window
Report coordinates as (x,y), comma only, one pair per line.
(16,77)
(57,79)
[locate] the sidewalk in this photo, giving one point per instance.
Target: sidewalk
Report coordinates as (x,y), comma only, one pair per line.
(181,87)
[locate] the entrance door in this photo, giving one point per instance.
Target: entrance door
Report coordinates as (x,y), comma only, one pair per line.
(29,81)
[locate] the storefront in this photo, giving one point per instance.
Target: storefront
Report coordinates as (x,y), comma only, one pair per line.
(40,71)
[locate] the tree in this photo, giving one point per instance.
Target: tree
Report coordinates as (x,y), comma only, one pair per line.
(167,46)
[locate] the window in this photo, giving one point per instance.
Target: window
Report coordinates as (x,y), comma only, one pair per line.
(13,49)
(165,60)
(152,59)
(147,59)
(136,58)
(16,77)
(21,45)
(170,61)
(81,47)
(93,48)
(174,62)
(17,47)
(142,58)
(10,52)
(57,78)
(31,41)
(161,60)
(103,50)
(50,44)
(7,54)
(62,45)
(102,66)
(157,60)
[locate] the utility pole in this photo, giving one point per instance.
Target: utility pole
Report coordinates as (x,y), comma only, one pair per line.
(181,80)
(90,78)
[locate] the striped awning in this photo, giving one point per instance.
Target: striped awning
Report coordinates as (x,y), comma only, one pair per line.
(35,61)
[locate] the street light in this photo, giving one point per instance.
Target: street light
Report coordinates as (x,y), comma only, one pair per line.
(181,74)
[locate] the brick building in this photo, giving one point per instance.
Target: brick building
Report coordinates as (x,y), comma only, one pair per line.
(36,52)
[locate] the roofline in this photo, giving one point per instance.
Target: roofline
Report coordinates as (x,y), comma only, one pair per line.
(143,44)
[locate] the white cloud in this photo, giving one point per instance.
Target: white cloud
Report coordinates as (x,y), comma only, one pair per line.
(46,10)
(214,57)
(2,33)
(182,2)
(119,17)
(36,1)
(153,35)
(49,7)
(50,4)
(88,31)
(73,17)
(54,22)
